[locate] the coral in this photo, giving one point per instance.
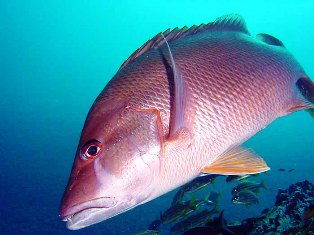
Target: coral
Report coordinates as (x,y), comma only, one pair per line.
(287,217)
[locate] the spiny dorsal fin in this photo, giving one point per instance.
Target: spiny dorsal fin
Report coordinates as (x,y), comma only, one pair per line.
(231,22)
(271,40)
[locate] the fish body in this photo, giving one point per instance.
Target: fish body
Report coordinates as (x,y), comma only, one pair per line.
(199,183)
(192,221)
(232,178)
(177,110)
(178,197)
(213,197)
(176,213)
(248,185)
(245,197)
(179,211)
(216,226)
(148,232)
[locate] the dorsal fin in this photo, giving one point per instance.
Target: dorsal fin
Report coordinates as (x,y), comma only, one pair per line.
(231,22)
(271,40)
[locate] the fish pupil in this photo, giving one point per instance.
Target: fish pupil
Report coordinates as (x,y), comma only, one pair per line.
(92,150)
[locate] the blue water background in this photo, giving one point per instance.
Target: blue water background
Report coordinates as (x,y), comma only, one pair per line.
(55,58)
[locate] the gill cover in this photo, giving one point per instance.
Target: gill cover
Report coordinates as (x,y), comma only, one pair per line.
(117,161)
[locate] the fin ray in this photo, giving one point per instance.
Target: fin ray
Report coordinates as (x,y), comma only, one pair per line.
(238,161)
(271,40)
(180,95)
(232,22)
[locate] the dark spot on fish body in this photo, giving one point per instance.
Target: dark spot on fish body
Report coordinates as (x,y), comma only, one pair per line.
(306,88)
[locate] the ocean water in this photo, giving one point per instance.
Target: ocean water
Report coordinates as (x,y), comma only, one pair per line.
(55,58)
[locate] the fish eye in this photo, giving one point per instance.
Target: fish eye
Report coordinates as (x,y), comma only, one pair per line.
(91,149)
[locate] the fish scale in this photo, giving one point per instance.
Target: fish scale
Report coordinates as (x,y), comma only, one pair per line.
(141,87)
(173,113)
(222,114)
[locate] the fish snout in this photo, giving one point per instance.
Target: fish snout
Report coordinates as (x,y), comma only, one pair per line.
(67,210)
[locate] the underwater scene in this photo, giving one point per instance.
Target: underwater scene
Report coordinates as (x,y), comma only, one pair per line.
(157,117)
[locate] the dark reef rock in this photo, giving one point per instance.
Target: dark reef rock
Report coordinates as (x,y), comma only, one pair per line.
(293,213)
(287,217)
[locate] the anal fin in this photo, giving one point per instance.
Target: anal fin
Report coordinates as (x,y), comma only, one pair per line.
(238,161)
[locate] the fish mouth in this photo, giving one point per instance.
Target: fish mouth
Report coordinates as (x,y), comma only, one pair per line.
(87,213)
(81,219)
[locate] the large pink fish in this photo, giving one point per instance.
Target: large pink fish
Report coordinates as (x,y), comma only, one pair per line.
(173,112)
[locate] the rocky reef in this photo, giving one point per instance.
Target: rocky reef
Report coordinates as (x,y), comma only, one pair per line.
(292,213)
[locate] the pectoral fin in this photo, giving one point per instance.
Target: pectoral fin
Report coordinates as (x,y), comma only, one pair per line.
(180,96)
(238,161)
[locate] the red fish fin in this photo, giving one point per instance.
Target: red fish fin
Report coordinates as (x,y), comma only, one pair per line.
(238,161)
(305,107)
(180,98)
(311,112)
(306,98)
(232,22)
(271,40)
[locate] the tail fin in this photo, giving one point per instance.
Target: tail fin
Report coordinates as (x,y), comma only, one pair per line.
(263,185)
(311,112)
(222,226)
(193,203)
(207,200)
(306,88)
(216,209)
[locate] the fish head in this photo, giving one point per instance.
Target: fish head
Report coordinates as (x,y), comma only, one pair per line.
(235,198)
(116,164)
(234,191)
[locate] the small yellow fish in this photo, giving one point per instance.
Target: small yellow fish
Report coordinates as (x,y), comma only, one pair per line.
(148,232)
(245,197)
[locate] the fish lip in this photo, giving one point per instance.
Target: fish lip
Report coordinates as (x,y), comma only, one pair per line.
(98,203)
(84,218)
(73,221)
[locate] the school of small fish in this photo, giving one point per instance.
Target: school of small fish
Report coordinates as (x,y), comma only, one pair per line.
(187,211)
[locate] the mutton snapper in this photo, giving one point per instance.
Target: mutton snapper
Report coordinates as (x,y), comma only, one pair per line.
(176,111)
